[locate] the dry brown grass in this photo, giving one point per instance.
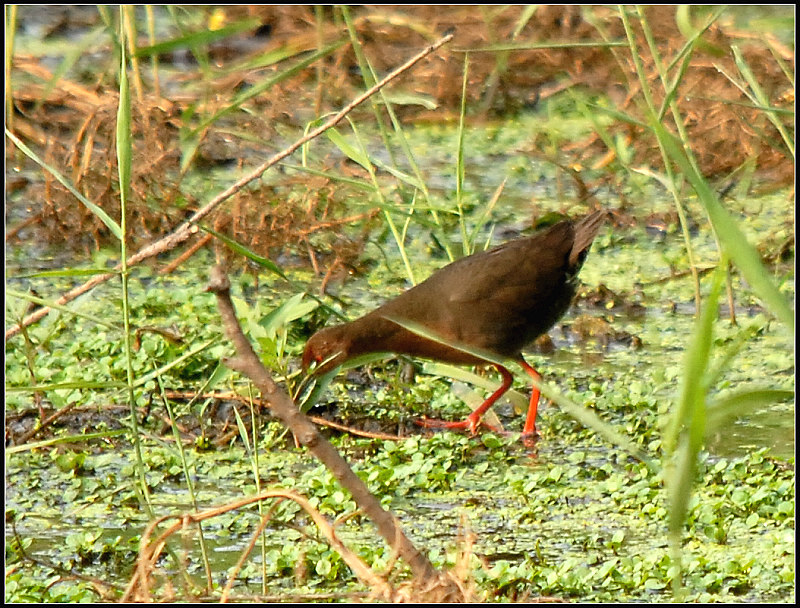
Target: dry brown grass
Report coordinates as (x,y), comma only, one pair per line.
(73,127)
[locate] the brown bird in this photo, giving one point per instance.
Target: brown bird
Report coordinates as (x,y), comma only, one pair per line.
(495,301)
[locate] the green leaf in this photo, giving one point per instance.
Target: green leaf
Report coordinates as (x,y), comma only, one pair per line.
(242,430)
(401,175)
(69,439)
(141,381)
(529,46)
(355,183)
(434,368)
(408,99)
(760,97)
(281,316)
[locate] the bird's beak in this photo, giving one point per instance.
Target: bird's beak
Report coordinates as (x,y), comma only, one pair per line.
(319,365)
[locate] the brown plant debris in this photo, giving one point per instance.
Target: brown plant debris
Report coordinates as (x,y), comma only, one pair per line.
(306,218)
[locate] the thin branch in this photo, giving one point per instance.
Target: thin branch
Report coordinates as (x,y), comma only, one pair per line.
(247,362)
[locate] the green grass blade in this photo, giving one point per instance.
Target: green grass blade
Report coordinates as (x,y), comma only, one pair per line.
(266,263)
(124,153)
(269,83)
(693,35)
(187,474)
(357,156)
(102,215)
(696,362)
(354,183)
(485,214)
(404,177)
(124,143)
(243,432)
(396,234)
(760,97)
(310,391)
(11,36)
(689,418)
(530,46)
(50,304)
(725,409)
(592,421)
(734,243)
(204,37)
(527,14)
(409,99)
(71,57)
(242,250)
(66,272)
(292,309)
(466,247)
(70,439)
(67,386)
(615,114)
(142,380)
(369,76)
(434,368)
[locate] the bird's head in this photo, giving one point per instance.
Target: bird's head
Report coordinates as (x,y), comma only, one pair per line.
(328,348)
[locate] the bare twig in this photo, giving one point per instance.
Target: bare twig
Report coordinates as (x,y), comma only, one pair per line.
(364,573)
(184,231)
(247,362)
(45,422)
(202,242)
(318,420)
(150,548)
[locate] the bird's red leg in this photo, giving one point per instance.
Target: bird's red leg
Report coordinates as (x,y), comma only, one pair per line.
(472,421)
(530,421)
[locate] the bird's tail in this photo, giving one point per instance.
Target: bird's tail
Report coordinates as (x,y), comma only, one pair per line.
(585,231)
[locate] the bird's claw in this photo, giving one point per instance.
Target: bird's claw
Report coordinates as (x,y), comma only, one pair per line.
(529,439)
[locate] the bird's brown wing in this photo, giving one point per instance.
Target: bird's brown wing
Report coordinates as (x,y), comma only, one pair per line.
(501,299)
(512,274)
